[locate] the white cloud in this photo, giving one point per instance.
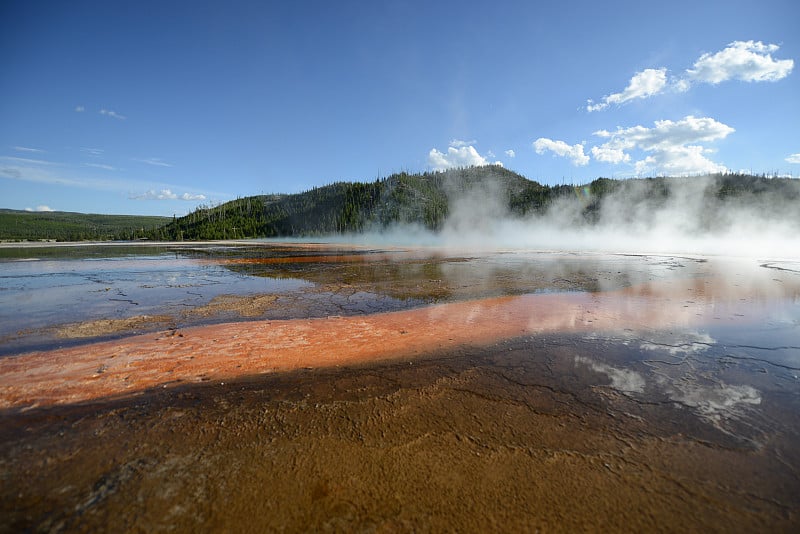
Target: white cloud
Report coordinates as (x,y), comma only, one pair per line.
(667,133)
(27,160)
(58,176)
(673,147)
(458,143)
(463,156)
(154,161)
(560,148)
(101,166)
(152,194)
(679,161)
(40,207)
(43,175)
(749,61)
(610,154)
(27,149)
(114,114)
(80,109)
(94,152)
(166,194)
(643,84)
(510,153)
(793,158)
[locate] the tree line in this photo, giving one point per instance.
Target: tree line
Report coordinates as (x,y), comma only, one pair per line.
(67,226)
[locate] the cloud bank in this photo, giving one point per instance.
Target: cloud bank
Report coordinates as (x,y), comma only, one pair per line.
(672,147)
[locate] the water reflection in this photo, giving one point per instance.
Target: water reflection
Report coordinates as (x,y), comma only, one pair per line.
(721,374)
(624,380)
(124,285)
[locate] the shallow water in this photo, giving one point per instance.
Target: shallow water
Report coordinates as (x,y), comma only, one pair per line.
(44,291)
(374,389)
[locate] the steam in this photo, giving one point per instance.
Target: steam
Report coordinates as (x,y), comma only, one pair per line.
(685,217)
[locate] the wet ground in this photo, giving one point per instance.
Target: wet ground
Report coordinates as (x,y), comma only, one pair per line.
(394,390)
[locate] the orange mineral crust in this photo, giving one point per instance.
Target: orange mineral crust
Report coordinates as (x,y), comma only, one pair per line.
(223,351)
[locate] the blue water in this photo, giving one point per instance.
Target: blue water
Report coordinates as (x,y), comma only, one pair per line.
(37,293)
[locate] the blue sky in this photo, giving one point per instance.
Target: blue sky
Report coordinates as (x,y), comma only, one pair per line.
(157,107)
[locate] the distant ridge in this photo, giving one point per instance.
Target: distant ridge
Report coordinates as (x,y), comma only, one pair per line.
(16,225)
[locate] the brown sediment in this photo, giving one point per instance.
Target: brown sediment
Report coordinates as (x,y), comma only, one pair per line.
(102,327)
(328,258)
(333,255)
(244,305)
(224,351)
(512,439)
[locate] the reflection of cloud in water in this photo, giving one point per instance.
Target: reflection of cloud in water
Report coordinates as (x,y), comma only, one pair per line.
(678,375)
(714,403)
(687,342)
(623,380)
(682,343)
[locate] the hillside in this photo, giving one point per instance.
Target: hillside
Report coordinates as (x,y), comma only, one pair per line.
(429,200)
(346,207)
(67,226)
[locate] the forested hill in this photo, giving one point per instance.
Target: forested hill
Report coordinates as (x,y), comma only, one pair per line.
(348,207)
(427,199)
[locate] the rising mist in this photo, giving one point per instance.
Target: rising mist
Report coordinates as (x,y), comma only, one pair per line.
(700,215)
